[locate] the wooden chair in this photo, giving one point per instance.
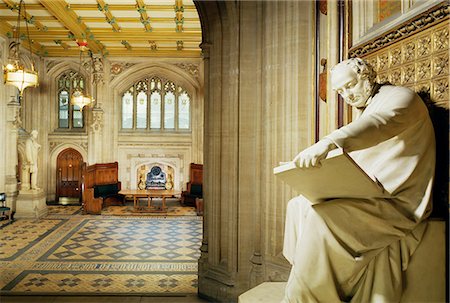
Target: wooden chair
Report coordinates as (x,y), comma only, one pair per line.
(5,211)
(194,188)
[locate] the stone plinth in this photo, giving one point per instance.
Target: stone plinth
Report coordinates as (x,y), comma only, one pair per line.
(31,204)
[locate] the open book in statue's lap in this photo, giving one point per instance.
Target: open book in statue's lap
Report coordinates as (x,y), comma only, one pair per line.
(330,180)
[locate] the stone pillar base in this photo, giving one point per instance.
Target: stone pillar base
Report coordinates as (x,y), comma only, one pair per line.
(31,204)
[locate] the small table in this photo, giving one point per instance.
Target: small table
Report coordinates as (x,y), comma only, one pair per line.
(149,194)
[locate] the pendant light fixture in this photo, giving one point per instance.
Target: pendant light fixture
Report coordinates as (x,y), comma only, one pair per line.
(15,73)
(78,97)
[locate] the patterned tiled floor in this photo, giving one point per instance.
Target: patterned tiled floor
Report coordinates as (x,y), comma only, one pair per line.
(68,253)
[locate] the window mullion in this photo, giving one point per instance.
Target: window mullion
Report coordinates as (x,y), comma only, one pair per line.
(163,106)
(134,107)
(176,107)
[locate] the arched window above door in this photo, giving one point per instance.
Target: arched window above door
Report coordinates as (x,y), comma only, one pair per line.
(156,104)
(69,116)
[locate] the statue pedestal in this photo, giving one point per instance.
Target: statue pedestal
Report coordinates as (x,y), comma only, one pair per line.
(31,204)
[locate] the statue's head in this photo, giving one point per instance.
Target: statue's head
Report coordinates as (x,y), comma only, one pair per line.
(34,133)
(354,80)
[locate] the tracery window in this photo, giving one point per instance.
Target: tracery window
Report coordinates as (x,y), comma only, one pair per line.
(69,116)
(156,104)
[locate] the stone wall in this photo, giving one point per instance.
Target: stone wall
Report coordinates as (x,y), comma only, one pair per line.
(259,102)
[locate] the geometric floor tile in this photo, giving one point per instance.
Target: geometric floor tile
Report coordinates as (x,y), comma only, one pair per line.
(83,254)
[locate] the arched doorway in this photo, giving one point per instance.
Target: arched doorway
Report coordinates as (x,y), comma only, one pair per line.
(68,176)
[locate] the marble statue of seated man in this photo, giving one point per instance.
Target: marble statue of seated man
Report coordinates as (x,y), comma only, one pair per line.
(352,249)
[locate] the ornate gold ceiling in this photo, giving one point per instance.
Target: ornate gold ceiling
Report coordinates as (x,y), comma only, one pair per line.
(144,28)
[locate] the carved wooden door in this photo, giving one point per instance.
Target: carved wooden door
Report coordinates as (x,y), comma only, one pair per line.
(68,170)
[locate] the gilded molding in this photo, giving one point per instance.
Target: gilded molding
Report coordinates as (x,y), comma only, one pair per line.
(421,22)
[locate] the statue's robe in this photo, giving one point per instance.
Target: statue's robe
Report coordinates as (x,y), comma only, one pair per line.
(354,250)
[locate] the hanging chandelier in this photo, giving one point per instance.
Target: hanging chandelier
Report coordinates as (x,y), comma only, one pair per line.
(15,73)
(79,98)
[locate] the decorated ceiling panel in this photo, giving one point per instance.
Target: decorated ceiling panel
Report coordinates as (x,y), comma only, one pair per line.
(153,28)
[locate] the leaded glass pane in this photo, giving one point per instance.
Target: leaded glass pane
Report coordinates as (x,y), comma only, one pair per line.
(155,110)
(183,111)
(64,109)
(77,117)
(141,110)
(127,110)
(169,110)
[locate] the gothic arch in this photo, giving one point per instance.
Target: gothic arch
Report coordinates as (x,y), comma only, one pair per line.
(139,71)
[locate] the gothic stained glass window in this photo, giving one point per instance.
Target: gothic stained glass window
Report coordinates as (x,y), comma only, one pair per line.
(69,116)
(156,104)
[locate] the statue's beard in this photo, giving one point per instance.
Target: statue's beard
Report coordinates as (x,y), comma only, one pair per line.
(360,99)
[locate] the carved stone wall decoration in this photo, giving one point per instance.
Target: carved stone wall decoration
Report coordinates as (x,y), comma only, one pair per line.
(383,61)
(50,64)
(191,68)
(97,65)
(117,68)
(409,50)
(408,74)
(440,93)
(53,145)
(424,66)
(396,77)
(424,46)
(441,39)
(395,57)
(423,70)
(440,65)
(421,22)
(383,78)
(84,145)
(424,87)
(97,120)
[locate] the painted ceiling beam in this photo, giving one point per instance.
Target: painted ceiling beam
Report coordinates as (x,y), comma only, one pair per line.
(136,52)
(30,19)
(65,15)
(145,19)
(103,7)
(123,35)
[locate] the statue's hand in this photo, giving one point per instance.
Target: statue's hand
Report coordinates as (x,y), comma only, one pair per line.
(312,156)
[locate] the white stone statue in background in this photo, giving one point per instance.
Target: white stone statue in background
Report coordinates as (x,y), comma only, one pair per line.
(32,148)
(351,249)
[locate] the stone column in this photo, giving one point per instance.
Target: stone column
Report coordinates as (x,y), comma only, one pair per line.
(14,122)
(203,261)
(96,122)
(95,135)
